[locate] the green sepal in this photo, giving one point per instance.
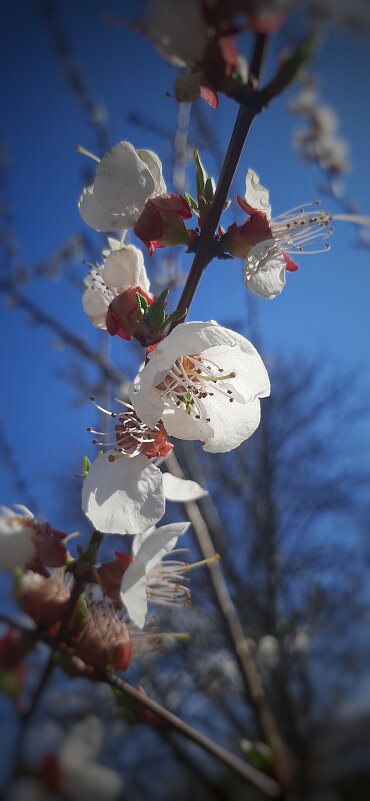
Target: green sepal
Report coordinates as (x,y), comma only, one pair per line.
(156,315)
(200,174)
(209,191)
(192,204)
(176,316)
(142,303)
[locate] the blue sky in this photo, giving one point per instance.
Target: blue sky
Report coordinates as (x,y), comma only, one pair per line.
(322,314)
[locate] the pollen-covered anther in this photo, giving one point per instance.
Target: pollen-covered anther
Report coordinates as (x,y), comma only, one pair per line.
(188,382)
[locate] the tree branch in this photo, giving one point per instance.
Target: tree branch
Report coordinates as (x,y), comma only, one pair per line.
(239,135)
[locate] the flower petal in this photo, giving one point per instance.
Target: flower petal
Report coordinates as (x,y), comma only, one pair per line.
(256,196)
(154,164)
(123,181)
(97,217)
(234,422)
(181,490)
(123,496)
(95,307)
(264,270)
(125,268)
(182,425)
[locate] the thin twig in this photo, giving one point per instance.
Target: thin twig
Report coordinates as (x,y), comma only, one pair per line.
(241,644)
(247,772)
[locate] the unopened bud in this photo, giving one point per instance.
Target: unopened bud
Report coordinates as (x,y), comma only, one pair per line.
(43,599)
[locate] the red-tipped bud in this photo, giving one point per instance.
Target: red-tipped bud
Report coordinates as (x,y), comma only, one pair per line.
(161,223)
(124,316)
(103,641)
(43,599)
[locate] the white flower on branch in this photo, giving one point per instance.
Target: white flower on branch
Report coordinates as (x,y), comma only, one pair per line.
(147,578)
(267,244)
(205,382)
(123,490)
(125,179)
(110,299)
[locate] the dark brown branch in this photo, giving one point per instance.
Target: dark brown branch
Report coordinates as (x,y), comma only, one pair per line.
(239,135)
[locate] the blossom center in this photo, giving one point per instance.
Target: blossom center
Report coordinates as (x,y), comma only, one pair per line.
(132,436)
(191,380)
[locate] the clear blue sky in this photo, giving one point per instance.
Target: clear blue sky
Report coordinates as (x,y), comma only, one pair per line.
(322,313)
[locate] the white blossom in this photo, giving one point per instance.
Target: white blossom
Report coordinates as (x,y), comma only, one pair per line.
(147,578)
(125,179)
(123,268)
(274,240)
(205,382)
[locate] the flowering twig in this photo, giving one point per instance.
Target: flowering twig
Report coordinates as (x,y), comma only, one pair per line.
(170,721)
(242,127)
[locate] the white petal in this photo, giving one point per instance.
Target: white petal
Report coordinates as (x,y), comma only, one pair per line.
(95,307)
(124,268)
(97,217)
(181,490)
(256,195)
(123,180)
(16,544)
(234,422)
(123,496)
(178,423)
(150,547)
(133,594)
(185,339)
(155,166)
(264,270)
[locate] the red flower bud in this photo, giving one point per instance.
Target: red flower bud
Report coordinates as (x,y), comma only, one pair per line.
(124,316)
(161,223)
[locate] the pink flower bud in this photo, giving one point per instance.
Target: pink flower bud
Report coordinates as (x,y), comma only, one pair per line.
(43,599)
